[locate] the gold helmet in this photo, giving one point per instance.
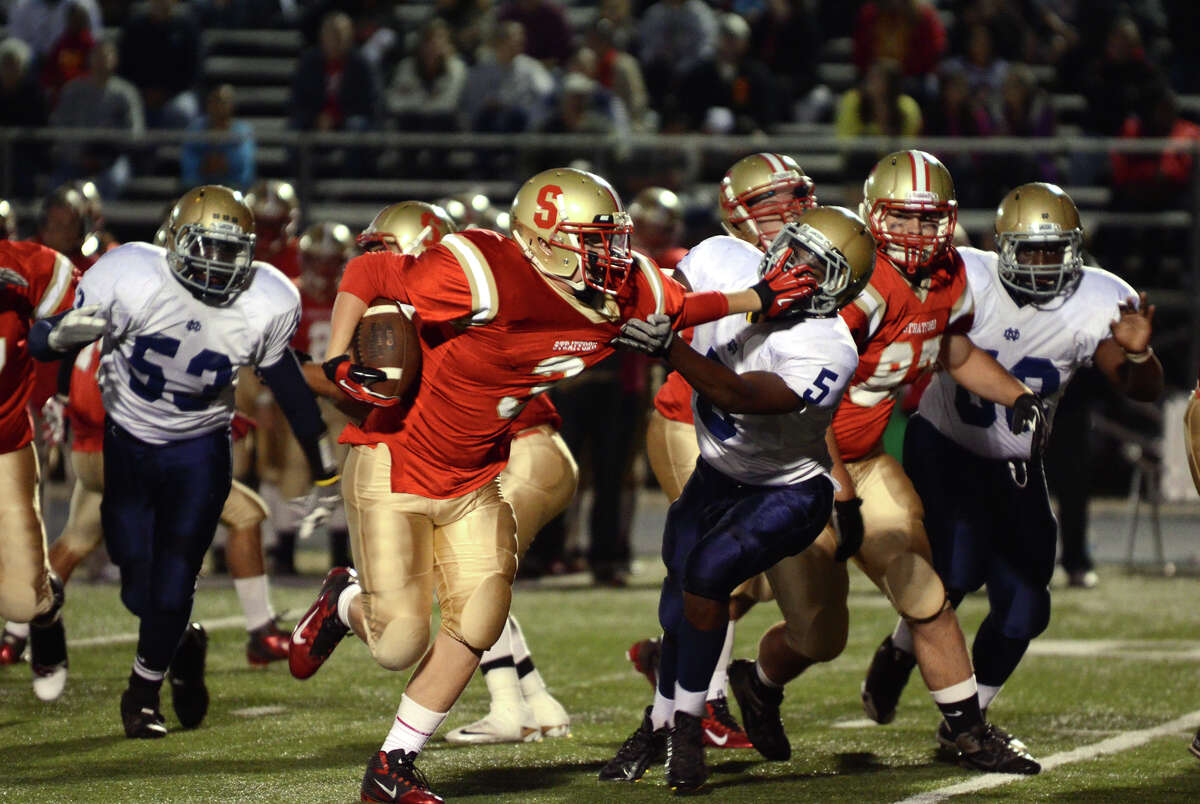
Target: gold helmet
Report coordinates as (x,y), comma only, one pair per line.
(571,224)
(210,243)
(1039,217)
(409,227)
(835,246)
(276,209)
(8,221)
(910,183)
(657,216)
(762,187)
(324,249)
(94,206)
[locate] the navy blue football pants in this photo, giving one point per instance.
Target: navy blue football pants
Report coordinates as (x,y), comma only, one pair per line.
(720,533)
(159,511)
(989,523)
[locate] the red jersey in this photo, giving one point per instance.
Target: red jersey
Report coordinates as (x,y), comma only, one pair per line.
(312,333)
(674,399)
(540,410)
(521,332)
(85,407)
(898,329)
(43,285)
(286,259)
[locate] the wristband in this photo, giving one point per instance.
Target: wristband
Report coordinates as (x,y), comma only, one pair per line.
(1139,357)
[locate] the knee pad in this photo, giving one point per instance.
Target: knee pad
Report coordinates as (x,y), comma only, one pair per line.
(400,643)
(1027,614)
(480,619)
(915,588)
(18,602)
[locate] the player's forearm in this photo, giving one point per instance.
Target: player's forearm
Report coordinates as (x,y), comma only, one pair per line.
(1141,381)
(743,301)
(840,474)
(980,374)
(39,339)
(321,385)
(348,309)
(299,406)
(753,392)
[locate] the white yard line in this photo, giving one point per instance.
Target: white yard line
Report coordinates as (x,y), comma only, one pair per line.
(1113,745)
(216,624)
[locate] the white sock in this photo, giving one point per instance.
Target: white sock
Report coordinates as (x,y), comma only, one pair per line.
(690,701)
(764,678)
(19,630)
(902,638)
(663,711)
(716,685)
(412,727)
(520,650)
(255,599)
(532,684)
(957,692)
(344,600)
(987,694)
(501,650)
(142,671)
(502,684)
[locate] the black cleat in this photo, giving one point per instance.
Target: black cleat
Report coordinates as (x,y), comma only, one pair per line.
(686,771)
(985,748)
(1195,746)
(886,677)
(48,648)
(760,710)
(189,696)
(643,748)
(392,777)
(140,715)
(945,738)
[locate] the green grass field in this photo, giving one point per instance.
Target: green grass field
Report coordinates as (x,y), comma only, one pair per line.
(271,738)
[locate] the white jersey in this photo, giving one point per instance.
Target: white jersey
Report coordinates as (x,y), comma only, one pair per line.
(1041,347)
(169,364)
(816,357)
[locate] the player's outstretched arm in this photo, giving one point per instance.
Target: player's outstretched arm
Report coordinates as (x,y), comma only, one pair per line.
(1126,358)
(299,406)
(978,372)
(751,392)
(59,335)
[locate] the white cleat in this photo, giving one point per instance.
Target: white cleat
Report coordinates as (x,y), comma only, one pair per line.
(550,715)
(48,683)
(505,723)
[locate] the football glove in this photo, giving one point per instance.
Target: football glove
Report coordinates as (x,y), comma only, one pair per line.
(353,379)
(76,328)
(1028,415)
(10,278)
(53,427)
(781,287)
(848,525)
(319,505)
(652,336)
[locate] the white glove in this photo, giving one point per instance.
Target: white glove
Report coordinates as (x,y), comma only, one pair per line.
(10,277)
(652,336)
(321,502)
(52,421)
(76,328)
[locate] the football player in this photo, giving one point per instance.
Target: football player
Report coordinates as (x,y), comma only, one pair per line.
(36,283)
(525,311)
(276,209)
(1191,429)
(759,194)
(97,240)
(915,312)
(176,324)
(1042,313)
(765,393)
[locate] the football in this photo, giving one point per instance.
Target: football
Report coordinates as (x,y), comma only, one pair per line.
(386,339)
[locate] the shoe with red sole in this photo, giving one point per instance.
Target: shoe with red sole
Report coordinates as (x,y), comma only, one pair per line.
(267,643)
(392,777)
(720,727)
(319,630)
(644,655)
(12,648)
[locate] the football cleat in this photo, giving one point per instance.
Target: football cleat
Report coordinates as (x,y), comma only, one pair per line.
(48,659)
(551,717)
(985,748)
(644,655)
(641,750)
(12,648)
(886,677)
(760,710)
(1195,746)
(686,771)
(506,722)
(945,738)
(140,715)
(720,728)
(392,777)
(267,644)
(319,630)
(189,695)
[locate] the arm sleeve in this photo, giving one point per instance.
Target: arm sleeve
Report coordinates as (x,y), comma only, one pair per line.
(286,381)
(700,308)
(441,285)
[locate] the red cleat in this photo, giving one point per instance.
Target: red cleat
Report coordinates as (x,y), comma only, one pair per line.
(644,655)
(319,630)
(721,729)
(392,777)
(267,644)
(12,648)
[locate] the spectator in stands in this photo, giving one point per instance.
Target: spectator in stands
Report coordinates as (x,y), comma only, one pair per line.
(582,109)
(41,23)
(68,58)
(22,103)
(160,55)
(674,36)
(1012,24)
(619,73)
(99,99)
(1118,79)
(230,163)
(877,106)
(958,113)
(506,90)
(246,13)
(471,23)
(906,31)
(984,71)
(1024,110)
(787,38)
(425,91)
(547,32)
(732,92)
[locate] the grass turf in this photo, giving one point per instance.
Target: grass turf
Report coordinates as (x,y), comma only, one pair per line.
(268,737)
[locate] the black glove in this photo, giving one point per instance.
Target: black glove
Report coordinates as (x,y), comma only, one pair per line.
(848,525)
(1029,415)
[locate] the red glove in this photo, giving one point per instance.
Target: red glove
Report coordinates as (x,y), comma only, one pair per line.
(242,425)
(783,285)
(354,380)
